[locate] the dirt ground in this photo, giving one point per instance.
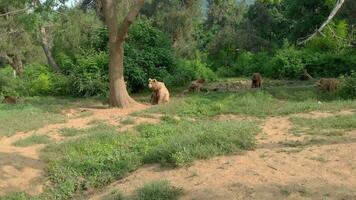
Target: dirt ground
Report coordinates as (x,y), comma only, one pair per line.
(272,171)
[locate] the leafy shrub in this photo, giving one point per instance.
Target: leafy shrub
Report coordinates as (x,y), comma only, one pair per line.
(188,70)
(9,85)
(159,190)
(348,87)
(89,75)
(287,63)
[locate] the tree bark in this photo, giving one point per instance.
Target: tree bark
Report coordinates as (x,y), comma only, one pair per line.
(337,7)
(119,96)
(16,63)
(47,50)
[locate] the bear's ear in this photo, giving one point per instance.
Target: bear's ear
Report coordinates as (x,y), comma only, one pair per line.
(149,80)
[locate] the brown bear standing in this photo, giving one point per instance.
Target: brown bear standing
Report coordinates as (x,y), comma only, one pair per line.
(328,84)
(256,80)
(160,92)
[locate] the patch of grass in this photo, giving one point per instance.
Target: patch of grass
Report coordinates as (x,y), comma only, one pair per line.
(35,112)
(316,141)
(327,126)
(25,118)
(159,190)
(70,132)
(18,196)
(32,140)
(346,122)
(128,121)
(103,155)
(115,195)
(252,103)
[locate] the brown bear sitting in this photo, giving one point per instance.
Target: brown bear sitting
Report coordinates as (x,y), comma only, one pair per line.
(256,80)
(195,86)
(328,84)
(160,92)
(9,100)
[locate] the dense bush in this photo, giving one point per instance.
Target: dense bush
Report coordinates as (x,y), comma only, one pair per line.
(9,85)
(289,62)
(348,87)
(188,70)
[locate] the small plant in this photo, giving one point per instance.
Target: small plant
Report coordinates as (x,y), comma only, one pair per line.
(32,140)
(159,190)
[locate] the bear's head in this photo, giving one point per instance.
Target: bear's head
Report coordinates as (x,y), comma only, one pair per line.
(153,84)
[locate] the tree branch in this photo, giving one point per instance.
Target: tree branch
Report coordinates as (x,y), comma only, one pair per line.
(325,23)
(13,12)
(129,19)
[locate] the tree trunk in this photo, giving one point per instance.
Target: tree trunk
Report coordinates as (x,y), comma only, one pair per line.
(16,64)
(47,50)
(119,96)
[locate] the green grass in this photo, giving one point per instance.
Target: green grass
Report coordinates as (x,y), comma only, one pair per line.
(32,140)
(70,132)
(159,190)
(253,103)
(328,126)
(17,196)
(25,118)
(102,156)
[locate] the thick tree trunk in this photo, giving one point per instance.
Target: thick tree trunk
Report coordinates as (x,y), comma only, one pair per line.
(119,96)
(16,64)
(47,50)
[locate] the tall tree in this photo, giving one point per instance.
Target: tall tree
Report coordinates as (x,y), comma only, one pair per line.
(119,96)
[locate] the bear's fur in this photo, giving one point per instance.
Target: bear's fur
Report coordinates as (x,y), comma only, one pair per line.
(160,92)
(328,84)
(9,100)
(256,80)
(195,86)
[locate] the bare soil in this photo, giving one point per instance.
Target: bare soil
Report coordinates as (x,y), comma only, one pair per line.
(21,169)
(271,172)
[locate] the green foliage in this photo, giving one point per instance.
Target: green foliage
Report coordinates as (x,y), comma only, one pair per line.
(148,54)
(159,190)
(287,63)
(103,156)
(9,86)
(188,70)
(348,86)
(89,75)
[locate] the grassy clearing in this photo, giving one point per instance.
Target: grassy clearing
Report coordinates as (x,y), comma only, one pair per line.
(33,113)
(328,126)
(280,101)
(159,190)
(103,156)
(32,140)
